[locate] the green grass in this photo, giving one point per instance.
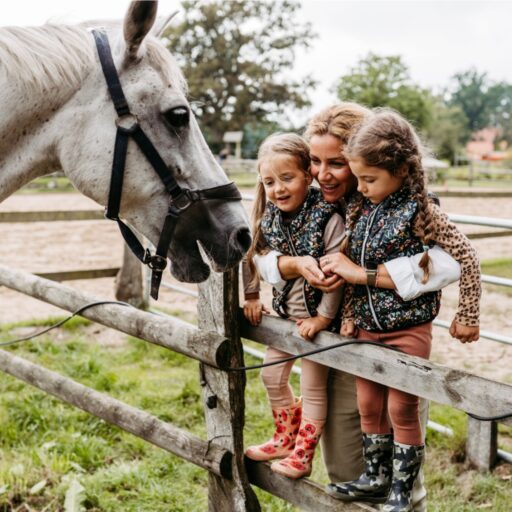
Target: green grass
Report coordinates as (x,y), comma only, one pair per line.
(244,179)
(501,267)
(48,184)
(47,446)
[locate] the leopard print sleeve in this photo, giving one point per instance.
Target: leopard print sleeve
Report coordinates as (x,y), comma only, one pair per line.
(457,245)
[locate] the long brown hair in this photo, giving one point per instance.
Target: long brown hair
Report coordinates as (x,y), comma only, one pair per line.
(278,144)
(389,141)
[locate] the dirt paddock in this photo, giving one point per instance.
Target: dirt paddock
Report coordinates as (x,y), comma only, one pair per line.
(58,246)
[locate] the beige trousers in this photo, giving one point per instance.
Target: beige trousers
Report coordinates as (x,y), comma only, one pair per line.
(342,438)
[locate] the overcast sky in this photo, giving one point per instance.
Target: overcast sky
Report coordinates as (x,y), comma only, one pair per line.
(435,38)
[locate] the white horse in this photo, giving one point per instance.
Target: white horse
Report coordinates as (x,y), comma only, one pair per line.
(56,113)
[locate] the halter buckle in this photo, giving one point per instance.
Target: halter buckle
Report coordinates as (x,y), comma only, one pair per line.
(183,200)
(127,123)
(157,263)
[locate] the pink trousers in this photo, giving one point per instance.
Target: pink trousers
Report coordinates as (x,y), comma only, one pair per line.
(313,385)
(382,408)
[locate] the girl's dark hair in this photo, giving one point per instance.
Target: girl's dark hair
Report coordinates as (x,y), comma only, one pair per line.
(389,141)
(278,144)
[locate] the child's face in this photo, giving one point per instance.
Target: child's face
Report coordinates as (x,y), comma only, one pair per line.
(286,184)
(375,183)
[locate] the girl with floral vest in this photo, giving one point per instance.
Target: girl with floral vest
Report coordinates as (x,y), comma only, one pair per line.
(392,217)
(290,216)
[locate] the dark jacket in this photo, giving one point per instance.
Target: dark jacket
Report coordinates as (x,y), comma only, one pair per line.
(303,236)
(384,232)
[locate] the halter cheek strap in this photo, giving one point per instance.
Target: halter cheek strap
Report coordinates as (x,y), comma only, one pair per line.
(180,199)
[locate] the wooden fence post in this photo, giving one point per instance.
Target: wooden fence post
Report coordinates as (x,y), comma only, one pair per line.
(129,283)
(482,443)
(223,394)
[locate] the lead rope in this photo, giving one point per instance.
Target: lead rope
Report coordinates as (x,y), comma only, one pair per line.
(240,368)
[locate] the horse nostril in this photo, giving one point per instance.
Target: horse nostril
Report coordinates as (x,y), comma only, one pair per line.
(243,239)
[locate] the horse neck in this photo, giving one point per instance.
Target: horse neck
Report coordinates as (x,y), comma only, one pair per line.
(27,135)
(27,125)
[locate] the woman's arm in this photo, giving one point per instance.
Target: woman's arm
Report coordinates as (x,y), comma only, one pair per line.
(276,268)
(407,275)
(401,274)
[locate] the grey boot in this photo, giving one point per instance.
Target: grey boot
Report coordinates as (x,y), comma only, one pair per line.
(407,461)
(374,484)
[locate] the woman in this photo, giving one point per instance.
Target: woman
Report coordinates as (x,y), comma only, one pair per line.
(327,133)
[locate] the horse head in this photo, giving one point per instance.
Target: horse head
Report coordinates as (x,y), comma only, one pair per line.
(84,131)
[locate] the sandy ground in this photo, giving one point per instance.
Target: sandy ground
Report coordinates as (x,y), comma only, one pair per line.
(53,246)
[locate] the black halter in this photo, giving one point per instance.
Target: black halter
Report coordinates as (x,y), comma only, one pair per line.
(180,198)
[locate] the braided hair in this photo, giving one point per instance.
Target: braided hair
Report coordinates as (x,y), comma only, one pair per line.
(278,144)
(389,141)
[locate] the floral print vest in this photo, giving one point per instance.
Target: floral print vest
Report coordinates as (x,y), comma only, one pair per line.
(382,233)
(303,236)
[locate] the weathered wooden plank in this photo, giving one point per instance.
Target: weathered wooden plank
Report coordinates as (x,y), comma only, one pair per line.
(76,275)
(482,443)
(223,394)
(49,216)
(303,493)
(209,455)
(457,388)
(161,330)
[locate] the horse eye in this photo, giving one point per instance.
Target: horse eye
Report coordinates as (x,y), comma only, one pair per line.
(177,117)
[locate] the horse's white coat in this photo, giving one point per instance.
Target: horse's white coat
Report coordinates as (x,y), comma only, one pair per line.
(56,113)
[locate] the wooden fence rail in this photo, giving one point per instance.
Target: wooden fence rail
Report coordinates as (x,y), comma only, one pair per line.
(209,456)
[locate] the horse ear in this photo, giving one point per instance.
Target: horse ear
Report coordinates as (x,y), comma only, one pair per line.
(161,25)
(137,23)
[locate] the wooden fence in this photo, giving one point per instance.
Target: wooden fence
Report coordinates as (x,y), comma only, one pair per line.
(216,345)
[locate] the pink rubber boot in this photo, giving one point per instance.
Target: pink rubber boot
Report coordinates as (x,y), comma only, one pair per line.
(300,462)
(287,421)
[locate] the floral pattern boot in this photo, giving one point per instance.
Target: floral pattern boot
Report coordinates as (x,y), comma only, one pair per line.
(287,421)
(300,462)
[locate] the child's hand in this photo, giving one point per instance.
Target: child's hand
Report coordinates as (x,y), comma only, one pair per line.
(348,328)
(253,309)
(464,333)
(309,327)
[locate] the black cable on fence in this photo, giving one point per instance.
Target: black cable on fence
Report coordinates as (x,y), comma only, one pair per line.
(241,368)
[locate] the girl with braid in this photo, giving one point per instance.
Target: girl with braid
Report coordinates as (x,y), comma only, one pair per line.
(392,216)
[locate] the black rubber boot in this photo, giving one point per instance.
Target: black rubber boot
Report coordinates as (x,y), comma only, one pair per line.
(407,461)
(374,484)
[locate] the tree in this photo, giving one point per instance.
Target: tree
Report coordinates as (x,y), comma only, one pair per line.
(471,95)
(448,131)
(501,113)
(384,81)
(236,55)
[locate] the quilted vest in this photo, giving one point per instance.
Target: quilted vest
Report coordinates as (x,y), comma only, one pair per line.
(303,236)
(384,232)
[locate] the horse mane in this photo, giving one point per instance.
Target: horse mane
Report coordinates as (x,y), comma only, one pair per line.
(45,57)
(56,56)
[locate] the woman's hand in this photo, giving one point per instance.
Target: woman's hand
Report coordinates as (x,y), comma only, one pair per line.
(464,333)
(309,327)
(309,269)
(341,265)
(253,310)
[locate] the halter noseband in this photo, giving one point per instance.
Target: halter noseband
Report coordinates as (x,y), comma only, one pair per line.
(180,199)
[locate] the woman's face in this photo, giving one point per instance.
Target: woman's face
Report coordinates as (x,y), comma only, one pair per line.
(330,168)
